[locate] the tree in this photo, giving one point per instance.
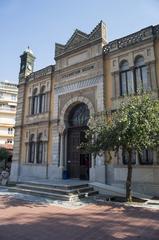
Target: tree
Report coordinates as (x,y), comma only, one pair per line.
(4,155)
(133,127)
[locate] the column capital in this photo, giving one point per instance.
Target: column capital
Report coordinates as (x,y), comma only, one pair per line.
(61,129)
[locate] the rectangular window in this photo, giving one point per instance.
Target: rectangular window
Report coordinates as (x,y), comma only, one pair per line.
(126,83)
(141,78)
(123,84)
(34,105)
(144,77)
(40,152)
(130,82)
(9,141)
(31,154)
(146,157)
(10,130)
(125,157)
(13,97)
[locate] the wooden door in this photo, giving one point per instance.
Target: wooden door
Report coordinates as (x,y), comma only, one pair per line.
(73,158)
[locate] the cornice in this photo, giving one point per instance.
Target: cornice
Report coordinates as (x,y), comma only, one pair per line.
(147,34)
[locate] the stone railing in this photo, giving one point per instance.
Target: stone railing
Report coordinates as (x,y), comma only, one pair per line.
(134,38)
(41,73)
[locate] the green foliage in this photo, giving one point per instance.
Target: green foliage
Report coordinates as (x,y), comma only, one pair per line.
(135,125)
(3,154)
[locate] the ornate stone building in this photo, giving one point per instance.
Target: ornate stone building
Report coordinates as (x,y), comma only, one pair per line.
(55,103)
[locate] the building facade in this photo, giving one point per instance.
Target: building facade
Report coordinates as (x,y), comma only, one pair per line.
(8,103)
(55,103)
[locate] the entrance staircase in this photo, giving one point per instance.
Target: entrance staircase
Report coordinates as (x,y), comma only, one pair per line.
(65,192)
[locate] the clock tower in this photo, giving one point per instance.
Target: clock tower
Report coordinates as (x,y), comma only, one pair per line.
(26,68)
(27,63)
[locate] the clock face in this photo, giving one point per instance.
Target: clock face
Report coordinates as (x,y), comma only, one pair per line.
(29,67)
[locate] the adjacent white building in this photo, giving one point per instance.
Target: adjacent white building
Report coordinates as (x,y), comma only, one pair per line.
(8,103)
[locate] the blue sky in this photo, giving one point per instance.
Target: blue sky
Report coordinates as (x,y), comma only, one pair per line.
(41,23)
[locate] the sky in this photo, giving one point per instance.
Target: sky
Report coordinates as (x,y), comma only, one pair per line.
(40,23)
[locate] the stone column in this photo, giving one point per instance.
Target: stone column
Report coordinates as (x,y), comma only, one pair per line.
(37,106)
(92,169)
(26,152)
(61,151)
(117,84)
(47,102)
(65,150)
(137,159)
(153,76)
(149,80)
(92,161)
(35,152)
(44,153)
(30,105)
(100,95)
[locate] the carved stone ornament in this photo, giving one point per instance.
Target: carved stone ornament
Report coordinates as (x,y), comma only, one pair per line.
(80,38)
(61,129)
(132,39)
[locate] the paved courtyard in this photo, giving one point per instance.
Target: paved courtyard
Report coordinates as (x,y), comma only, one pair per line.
(26,220)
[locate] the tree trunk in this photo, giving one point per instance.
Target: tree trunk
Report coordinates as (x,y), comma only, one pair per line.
(129,178)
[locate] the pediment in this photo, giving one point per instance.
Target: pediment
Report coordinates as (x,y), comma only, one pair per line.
(77,39)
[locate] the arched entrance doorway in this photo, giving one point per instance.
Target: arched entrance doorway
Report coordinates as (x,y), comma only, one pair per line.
(78,163)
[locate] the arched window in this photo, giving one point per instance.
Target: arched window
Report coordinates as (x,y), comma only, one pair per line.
(79,115)
(40,149)
(31,154)
(126,79)
(42,100)
(140,74)
(34,109)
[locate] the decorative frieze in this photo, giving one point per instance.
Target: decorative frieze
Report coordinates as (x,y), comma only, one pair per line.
(132,39)
(41,73)
(78,85)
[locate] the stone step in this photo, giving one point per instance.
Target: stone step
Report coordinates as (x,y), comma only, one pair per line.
(54,185)
(52,189)
(67,192)
(153,202)
(41,194)
(53,195)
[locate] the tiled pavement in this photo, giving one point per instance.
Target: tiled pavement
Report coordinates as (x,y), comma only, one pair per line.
(24,220)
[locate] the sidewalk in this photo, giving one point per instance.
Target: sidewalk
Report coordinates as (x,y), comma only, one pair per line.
(23,219)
